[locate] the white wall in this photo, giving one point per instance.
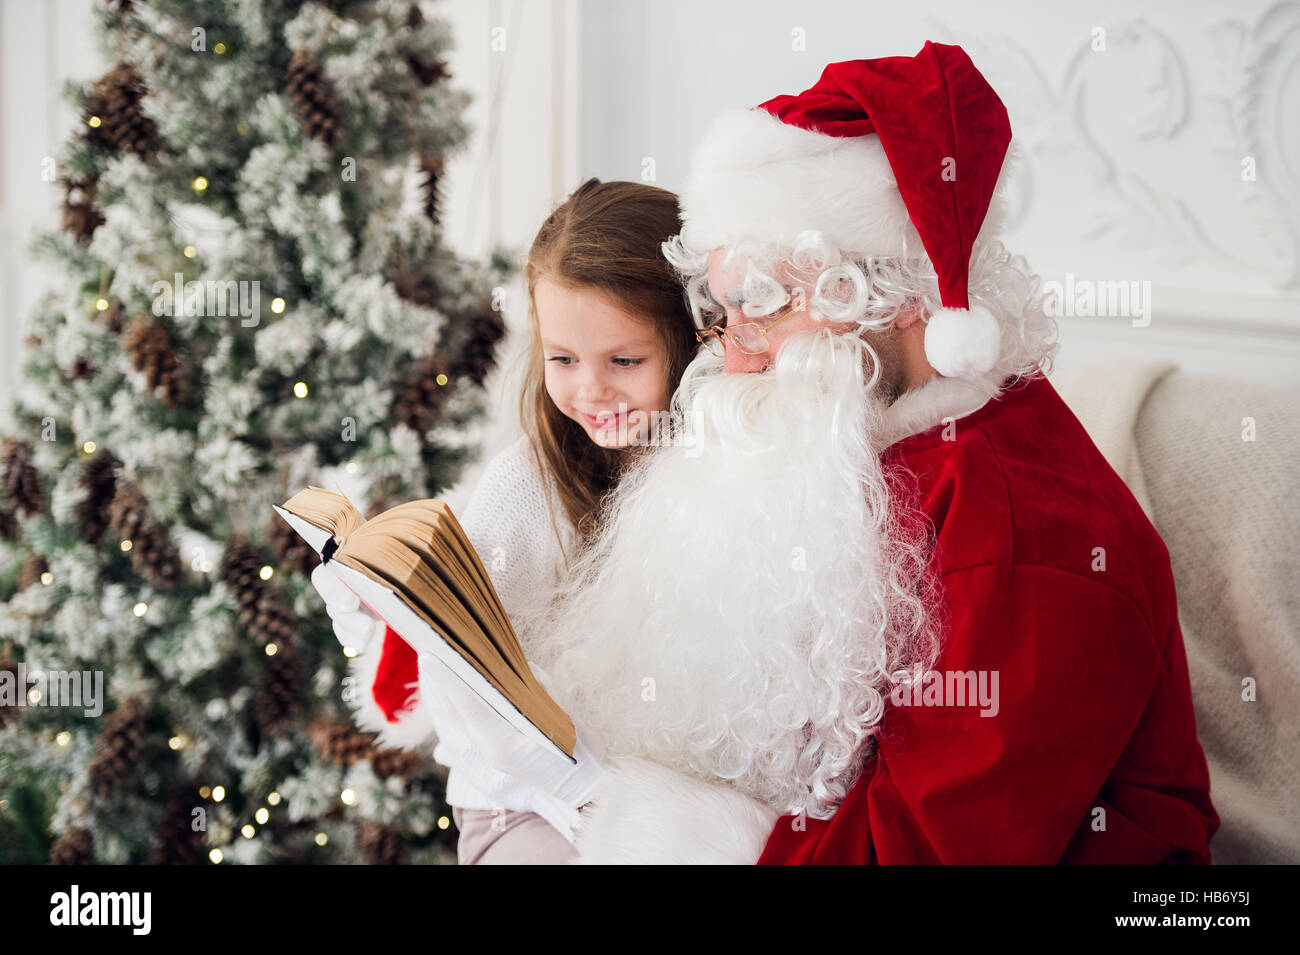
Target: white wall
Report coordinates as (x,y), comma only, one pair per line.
(1133,154)
(41,45)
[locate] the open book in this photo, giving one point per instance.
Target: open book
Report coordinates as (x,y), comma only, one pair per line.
(415,568)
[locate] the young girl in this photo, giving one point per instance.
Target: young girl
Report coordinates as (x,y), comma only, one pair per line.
(611,335)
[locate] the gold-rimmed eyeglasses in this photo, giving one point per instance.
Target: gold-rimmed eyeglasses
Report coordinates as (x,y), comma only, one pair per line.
(749,337)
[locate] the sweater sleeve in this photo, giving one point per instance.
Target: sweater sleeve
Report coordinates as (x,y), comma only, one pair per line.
(1062,763)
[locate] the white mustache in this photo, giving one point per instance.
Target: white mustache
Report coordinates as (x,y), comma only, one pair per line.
(815,378)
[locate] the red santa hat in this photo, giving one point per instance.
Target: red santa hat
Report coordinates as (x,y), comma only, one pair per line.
(880,155)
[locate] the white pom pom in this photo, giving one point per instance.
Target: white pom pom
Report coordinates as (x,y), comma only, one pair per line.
(962,343)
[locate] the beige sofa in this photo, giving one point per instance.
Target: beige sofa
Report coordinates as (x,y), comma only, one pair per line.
(1216,465)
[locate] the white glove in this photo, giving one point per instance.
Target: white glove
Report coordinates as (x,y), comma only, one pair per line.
(354,624)
(502,762)
(458,751)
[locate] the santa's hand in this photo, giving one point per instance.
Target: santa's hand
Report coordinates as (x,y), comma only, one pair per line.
(354,625)
(456,751)
(488,740)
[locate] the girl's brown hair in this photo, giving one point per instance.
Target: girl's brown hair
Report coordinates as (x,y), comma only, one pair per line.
(606,236)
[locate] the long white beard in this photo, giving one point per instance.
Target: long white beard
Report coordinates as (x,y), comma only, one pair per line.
(750,593)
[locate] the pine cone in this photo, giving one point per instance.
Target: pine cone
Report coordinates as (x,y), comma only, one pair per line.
(291,550)
(114,317)
(279,691)
(428,73)
(341,743)
(150,348)
(263,611)
(117,749)
(33,567)
(418,398)
(22,482)
(80,217)
(274,620)
(153,555)
(396,762)
(240,569)
(99,478)
(75,847)
(123,126)
(414,286)
(381,845)
(8,713)
(432,168)
(314,98)
(82,367)
(477,354)
(177,841)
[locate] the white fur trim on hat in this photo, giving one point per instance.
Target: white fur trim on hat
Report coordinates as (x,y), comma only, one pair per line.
(962,343)
(755,177)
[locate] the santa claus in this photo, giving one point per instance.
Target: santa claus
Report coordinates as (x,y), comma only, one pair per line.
(879,598)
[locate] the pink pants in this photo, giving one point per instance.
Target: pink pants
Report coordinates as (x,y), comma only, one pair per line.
(505,837)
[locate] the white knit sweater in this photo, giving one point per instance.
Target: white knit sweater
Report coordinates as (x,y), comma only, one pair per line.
(508,522)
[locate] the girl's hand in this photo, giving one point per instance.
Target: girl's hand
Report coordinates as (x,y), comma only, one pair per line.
(354,625)
(486,740)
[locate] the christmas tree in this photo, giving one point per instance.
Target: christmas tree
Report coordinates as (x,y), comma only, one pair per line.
(256,295)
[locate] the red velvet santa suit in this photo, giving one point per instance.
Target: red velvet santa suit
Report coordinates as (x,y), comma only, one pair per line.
(1094,708)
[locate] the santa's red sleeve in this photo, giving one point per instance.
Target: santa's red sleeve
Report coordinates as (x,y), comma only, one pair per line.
(1091,755)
